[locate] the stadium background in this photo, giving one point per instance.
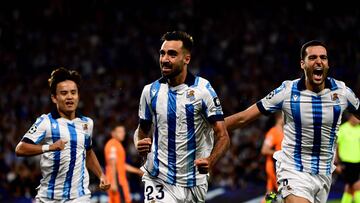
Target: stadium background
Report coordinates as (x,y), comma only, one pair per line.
(244,49)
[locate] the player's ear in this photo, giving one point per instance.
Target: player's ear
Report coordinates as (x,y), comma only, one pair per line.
(187,58)
(302,64)
(53,99)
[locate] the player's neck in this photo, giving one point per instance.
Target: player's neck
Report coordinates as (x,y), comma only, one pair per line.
(314,87)
(67,115)
(179,79)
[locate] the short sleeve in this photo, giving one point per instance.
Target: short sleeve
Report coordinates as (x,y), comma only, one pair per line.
(353,101)
(145,102)
(274,100)
(211,105)
(37,131)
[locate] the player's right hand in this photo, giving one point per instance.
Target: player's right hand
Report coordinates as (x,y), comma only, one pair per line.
(144,146)
(58,145)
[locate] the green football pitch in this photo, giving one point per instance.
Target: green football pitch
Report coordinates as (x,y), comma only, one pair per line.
(334,201)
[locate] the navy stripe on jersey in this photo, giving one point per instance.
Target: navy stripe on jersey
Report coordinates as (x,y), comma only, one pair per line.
(171,120)
(154,90)
(211,90)
(333,85)
(191,145)
(317,121)
(44,133)
(196,83)
(204,108)
(40,138)
(55,135)
(336,115)
(295,110)
(81,191)
(69,174)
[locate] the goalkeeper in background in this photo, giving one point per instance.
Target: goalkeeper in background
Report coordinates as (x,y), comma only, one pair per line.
(348,153)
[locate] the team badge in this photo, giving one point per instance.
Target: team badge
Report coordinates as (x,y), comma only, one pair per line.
(190,95)
(85,127)
(335,97)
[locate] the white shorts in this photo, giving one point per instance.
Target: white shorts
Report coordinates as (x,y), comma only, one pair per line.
(157,190)
(314,188)
(82,199)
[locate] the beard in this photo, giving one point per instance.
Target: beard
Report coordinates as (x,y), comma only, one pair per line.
(175,71)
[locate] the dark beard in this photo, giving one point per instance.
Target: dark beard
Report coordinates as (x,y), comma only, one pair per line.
(173,74)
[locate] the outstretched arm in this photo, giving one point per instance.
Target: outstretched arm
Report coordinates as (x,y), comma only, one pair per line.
(221,144)
(242,118)
(92,163)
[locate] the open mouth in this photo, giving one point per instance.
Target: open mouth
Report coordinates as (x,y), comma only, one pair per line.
(318,73)
(69,103)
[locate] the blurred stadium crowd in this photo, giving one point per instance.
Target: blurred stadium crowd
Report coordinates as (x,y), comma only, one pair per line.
(245,50)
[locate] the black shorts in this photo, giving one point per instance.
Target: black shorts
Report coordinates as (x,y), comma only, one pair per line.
(351,172)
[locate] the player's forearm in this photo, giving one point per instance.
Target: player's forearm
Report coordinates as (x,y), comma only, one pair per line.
(241,119)
(26,149)
(132,169)
(113,180)
(93,164)
(222,143)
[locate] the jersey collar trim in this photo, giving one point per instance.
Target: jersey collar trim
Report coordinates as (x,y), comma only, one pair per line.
(189,80)
(328,84)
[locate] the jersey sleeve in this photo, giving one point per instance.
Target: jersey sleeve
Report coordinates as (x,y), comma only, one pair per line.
(211,105)
(353,102)
(274,100)
(145,104)
(88,139)
(37,131)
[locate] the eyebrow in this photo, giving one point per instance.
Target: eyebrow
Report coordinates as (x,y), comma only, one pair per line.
(170,52)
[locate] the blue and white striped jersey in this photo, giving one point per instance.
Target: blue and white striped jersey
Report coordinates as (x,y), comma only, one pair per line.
(64,173)
(182,132)
(311,122)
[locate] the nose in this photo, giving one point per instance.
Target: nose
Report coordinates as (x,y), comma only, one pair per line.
(69,96)
(318,60)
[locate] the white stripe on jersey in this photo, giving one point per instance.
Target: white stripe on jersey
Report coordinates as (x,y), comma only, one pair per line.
(182,132)
(64,173)
(311,122)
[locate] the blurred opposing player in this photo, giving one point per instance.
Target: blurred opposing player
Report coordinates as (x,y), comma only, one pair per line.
(272,143)
(116,167)
(313,107)
(63,138)
(349,157)
(186,118)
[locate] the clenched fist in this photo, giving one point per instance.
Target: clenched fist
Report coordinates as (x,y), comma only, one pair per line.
(58,145)
(143,146)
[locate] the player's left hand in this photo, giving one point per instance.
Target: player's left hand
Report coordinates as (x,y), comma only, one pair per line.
(104,183)
(203,165)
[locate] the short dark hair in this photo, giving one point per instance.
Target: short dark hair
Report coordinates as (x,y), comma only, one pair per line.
(61,74)
(187,39)
(309,44)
